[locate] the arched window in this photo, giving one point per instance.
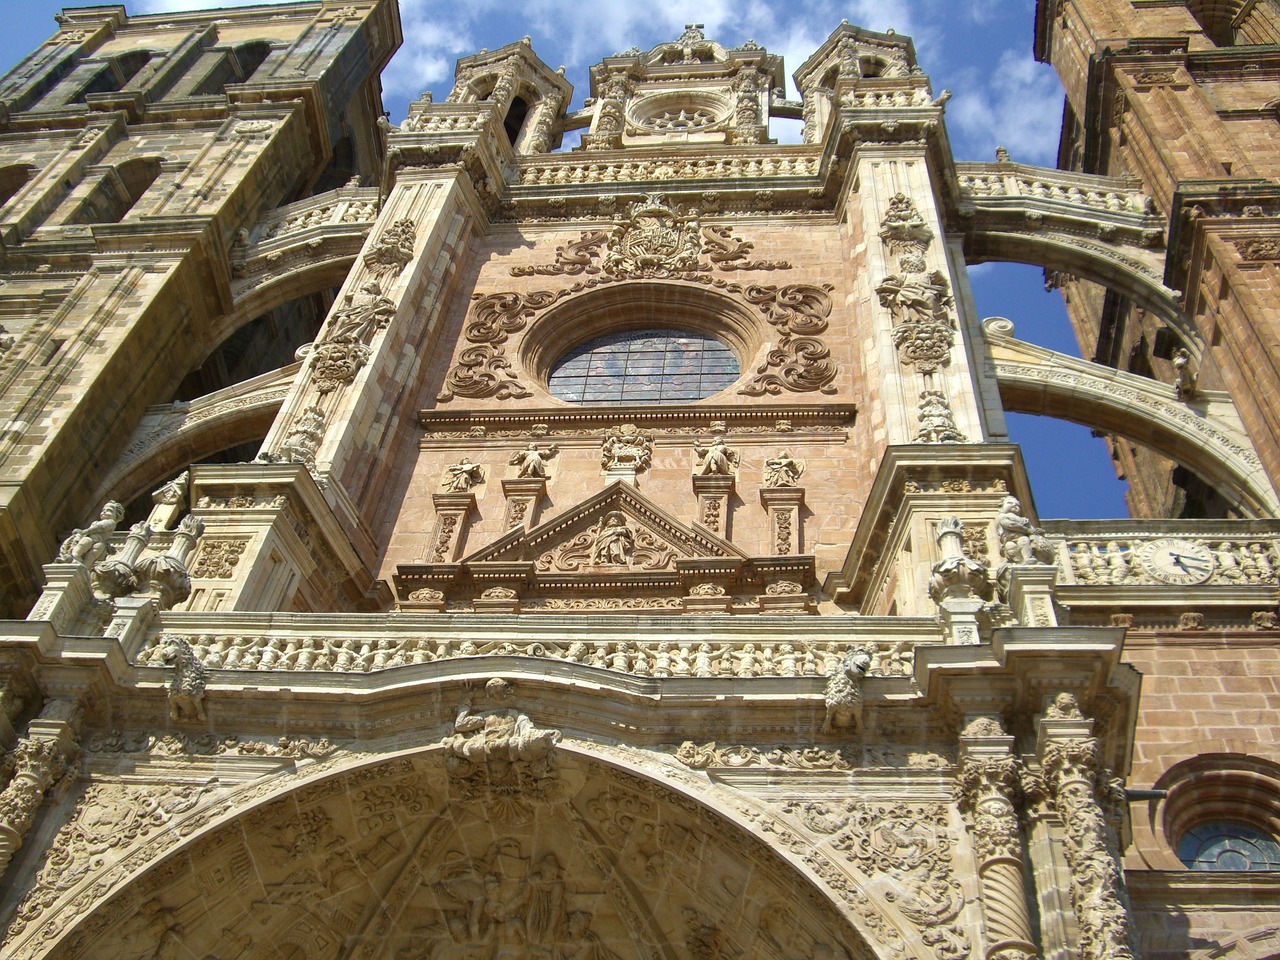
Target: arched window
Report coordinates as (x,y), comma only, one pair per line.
(1228,845)
(1222,812)
(514,121)
(644,366)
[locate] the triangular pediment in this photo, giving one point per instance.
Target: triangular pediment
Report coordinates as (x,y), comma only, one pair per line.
(617,529)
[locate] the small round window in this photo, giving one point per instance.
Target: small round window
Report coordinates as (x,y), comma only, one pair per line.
(644,366)
(1228,845)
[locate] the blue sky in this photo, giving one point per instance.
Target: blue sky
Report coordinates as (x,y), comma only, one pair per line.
(979,49)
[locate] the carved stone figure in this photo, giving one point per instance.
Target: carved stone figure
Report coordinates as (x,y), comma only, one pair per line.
(360,319)
(532,461)
(503,734)
(91,544)
(783,470)
(844,693)
(1020,540)
(303,437)
(462,476)
(1184,379)
(614,540)
(186,689)
(715,459)
(937,421)
(956,575)
(917,294)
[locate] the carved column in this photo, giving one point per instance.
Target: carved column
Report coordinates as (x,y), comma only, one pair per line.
(523,496)
(783,505)
(1075,781)
(713,492)
(452,511)
(988,788)
(39,759)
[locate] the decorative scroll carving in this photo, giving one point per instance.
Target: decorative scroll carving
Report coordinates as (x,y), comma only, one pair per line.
(1258,248)
(218,558)
(482,370)
(392,251)
(186,689)
(843,696)
(801,361)
(658,239)
(912,844)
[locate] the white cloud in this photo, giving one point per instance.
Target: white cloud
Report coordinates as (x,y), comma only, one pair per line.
(1018,105)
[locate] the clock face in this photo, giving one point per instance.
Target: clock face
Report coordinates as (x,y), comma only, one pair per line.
(1177,561)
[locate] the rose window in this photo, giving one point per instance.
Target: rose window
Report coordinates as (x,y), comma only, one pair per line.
(1228,845)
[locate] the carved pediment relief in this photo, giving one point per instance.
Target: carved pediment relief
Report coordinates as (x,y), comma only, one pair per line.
(618,530)
(616,550)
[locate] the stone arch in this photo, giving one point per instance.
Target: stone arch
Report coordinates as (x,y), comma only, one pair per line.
(402,853)
(1204,434)
(171,437)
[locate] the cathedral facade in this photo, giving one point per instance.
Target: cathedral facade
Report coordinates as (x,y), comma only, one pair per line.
(527,531)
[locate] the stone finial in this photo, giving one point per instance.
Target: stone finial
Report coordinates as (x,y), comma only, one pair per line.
(956,576)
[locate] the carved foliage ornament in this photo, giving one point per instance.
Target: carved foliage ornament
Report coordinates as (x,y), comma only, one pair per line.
(392,251)
(658,239)
(483,370)
(801,361)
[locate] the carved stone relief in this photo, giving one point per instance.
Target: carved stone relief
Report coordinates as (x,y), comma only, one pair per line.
(483,370)
(338,357)
(801,361)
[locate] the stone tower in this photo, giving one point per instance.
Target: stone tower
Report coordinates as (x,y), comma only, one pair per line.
(433,542)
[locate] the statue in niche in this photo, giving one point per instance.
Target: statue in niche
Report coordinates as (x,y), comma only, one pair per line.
(462,476)
(614,543)
(1020,541)
(532,461)
(715,459)
(782,470)
(91,544)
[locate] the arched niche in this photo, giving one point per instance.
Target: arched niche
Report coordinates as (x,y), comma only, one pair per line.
(117,191)
(421,853)
(12,179)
